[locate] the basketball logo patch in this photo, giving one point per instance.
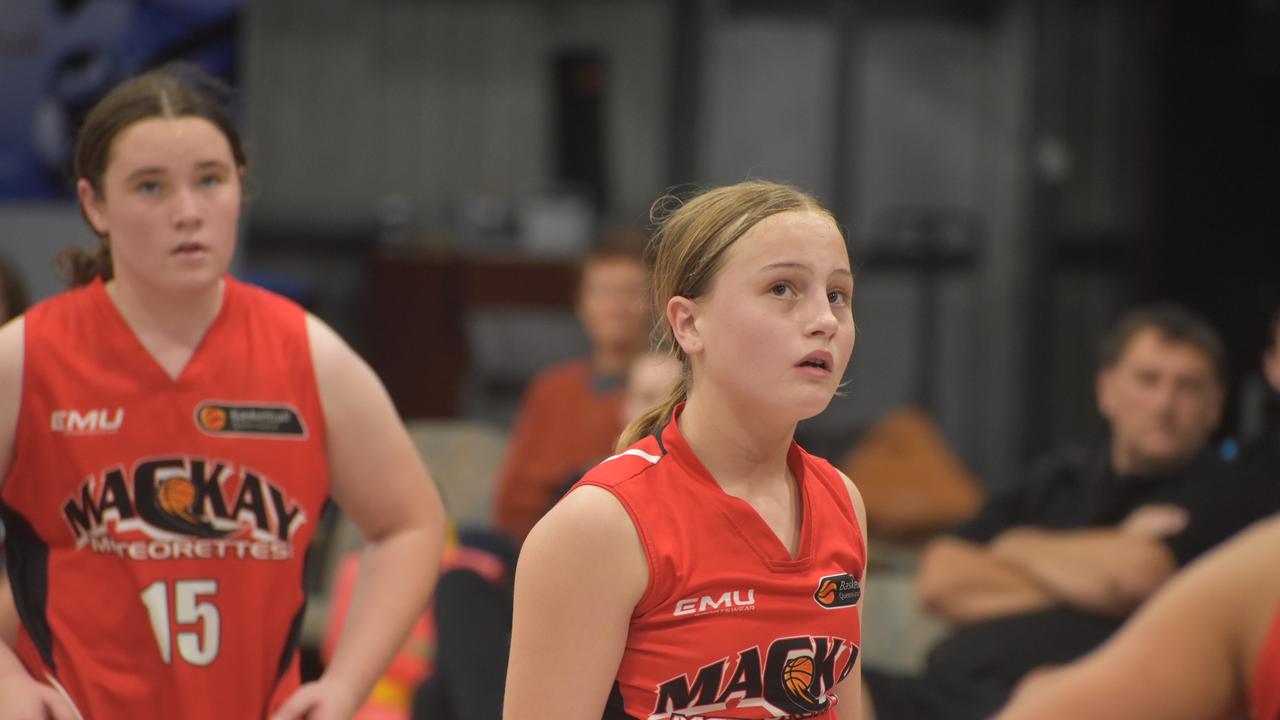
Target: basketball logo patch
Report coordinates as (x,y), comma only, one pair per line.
(838,591)
(256,419)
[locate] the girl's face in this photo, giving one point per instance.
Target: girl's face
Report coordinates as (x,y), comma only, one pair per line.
(169,204)
(775,332)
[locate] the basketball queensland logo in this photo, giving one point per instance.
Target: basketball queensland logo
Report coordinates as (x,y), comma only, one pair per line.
(838,591)
(169,508)
(264,420)
(794,677)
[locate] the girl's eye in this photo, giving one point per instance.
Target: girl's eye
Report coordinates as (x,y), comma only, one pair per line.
(148,187)
(837,297)
(210,181)
(780,289)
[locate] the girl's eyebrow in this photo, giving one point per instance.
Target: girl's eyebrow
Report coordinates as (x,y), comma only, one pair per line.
(149,170)
(787,265)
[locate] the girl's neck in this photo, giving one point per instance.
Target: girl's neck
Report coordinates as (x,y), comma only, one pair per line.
(178,318)
(738,446)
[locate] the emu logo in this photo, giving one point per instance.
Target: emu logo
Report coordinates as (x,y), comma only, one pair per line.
(729,602)
(91,422)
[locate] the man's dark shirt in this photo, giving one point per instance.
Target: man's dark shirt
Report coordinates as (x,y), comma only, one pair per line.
(1071,491)
(971,671)
(1249,492)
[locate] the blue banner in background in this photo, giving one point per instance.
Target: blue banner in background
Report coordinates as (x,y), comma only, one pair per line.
(58,57)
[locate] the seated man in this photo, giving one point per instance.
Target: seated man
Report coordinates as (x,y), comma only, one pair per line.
(568,418)
(1049,569)
(1182,656)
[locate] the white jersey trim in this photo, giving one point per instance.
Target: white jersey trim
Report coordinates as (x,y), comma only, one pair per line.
(638,453)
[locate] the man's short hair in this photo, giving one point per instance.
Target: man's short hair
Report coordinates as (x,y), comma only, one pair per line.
(1175,323)
(619,243)
(623,243)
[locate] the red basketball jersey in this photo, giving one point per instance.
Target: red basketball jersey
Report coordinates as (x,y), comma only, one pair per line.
(156,527)
(1266,675)
(731,625)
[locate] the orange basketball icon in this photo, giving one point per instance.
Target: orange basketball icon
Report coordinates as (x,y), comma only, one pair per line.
(827,592)
(177,495)
(212,418)
(797,674)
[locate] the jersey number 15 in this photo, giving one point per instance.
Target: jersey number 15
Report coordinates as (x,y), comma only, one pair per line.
(189,607)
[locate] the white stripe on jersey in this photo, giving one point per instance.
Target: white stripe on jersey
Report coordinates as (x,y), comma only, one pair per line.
(638,453)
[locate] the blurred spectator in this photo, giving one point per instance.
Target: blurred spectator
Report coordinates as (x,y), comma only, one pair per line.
(460,645)
(473,602)
(1182,657)
(1049,569)
(650,379)
(569,416)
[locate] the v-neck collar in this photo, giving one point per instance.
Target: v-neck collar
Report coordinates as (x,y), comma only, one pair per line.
(149,369)
(744,518)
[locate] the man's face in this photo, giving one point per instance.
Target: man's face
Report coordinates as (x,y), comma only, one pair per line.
(1162,399)
(611,303)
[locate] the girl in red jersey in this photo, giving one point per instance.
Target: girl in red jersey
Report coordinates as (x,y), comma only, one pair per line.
(168,436)
(1206,646)
(712,569)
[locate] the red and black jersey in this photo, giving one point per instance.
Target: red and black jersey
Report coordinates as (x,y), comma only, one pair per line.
(1266,675)
(731,625)
(156,527)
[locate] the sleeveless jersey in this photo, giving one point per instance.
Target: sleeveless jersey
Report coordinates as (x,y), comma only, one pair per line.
(156,527)
(731,625)
(1266,675)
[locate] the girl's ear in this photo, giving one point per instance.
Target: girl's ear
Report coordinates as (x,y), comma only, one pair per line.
(91,205)
(682,316)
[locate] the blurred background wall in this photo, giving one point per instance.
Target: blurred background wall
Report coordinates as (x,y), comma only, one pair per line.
(1010,173)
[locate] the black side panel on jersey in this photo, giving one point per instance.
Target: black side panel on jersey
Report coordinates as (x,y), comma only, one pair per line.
(295,637)
(27,562)
(291,642)
(615,709)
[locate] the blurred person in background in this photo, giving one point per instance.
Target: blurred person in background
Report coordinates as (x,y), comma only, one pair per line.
(1206,646)
(473,598)
(1251,491)
(569,416)
(1050,568)
(649,381)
